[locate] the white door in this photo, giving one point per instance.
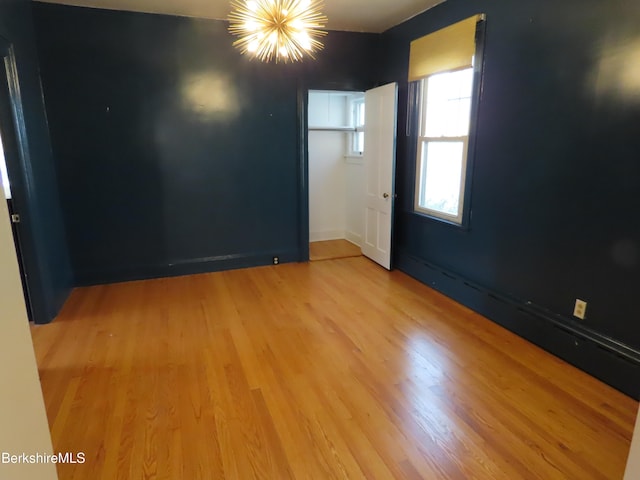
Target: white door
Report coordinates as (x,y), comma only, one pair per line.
(379,166)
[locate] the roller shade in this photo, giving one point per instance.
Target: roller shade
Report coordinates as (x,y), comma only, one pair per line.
(451,48)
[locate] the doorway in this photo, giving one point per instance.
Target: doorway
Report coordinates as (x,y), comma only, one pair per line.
(10,164)
(350,190)
(336,181)
(14,219)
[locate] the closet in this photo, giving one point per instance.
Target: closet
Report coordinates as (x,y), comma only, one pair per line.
(336,177)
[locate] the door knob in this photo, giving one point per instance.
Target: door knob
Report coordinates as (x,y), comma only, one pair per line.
(385,195)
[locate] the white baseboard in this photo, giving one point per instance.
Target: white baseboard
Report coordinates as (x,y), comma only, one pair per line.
(353,238)
(326,235)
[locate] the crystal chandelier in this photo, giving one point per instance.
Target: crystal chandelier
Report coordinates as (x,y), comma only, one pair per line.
(280,30)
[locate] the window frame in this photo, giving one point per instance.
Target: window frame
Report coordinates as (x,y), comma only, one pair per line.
(424,140)
(414,119)
(358,125)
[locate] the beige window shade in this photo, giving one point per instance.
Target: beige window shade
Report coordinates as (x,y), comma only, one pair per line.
(451,48)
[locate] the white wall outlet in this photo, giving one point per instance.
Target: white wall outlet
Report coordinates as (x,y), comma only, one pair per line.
(580,309)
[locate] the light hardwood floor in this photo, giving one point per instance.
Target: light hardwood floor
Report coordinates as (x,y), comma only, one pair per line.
(333,249)
(326,370)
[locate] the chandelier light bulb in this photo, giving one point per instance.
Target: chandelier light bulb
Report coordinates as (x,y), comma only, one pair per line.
(279,30)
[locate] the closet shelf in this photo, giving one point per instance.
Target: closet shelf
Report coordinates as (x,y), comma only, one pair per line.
(333,129)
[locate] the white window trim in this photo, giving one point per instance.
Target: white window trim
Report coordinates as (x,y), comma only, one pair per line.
(359,127)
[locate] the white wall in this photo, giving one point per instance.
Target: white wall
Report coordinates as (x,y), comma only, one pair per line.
(23,421)
(633,464)
(328,109)
(354,208)
(327,186)
(336,182)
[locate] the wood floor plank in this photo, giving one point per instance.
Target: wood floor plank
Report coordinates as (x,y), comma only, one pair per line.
(333,249)
(326,370)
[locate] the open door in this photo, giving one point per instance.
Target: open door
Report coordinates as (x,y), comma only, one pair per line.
(379,167)
(10,166)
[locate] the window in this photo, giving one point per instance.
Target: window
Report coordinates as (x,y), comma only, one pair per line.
(357,138)
(442,72)
(443,139)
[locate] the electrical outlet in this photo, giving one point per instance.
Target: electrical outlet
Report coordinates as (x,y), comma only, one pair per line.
(580,310)
(276,260)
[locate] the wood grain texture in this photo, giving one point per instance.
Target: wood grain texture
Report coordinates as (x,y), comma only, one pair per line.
(333,249)
(326,370)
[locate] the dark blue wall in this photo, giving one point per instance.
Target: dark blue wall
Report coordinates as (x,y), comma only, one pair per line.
(175,154)
(34,185)
(555,187)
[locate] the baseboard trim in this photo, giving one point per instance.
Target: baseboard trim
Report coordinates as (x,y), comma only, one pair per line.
(184,267)
(614,363)
(326,235)
(353,238)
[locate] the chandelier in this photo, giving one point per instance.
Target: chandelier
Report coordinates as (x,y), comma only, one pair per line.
(280,30)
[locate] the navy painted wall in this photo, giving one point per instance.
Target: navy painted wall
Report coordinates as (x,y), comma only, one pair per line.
(555,188)
(35,187)
(175,154)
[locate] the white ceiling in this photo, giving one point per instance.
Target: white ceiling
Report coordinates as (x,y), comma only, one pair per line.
(353,15)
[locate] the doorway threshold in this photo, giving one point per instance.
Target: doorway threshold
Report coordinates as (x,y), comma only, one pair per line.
(333,249)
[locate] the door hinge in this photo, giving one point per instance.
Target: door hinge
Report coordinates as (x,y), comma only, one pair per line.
(15,218)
